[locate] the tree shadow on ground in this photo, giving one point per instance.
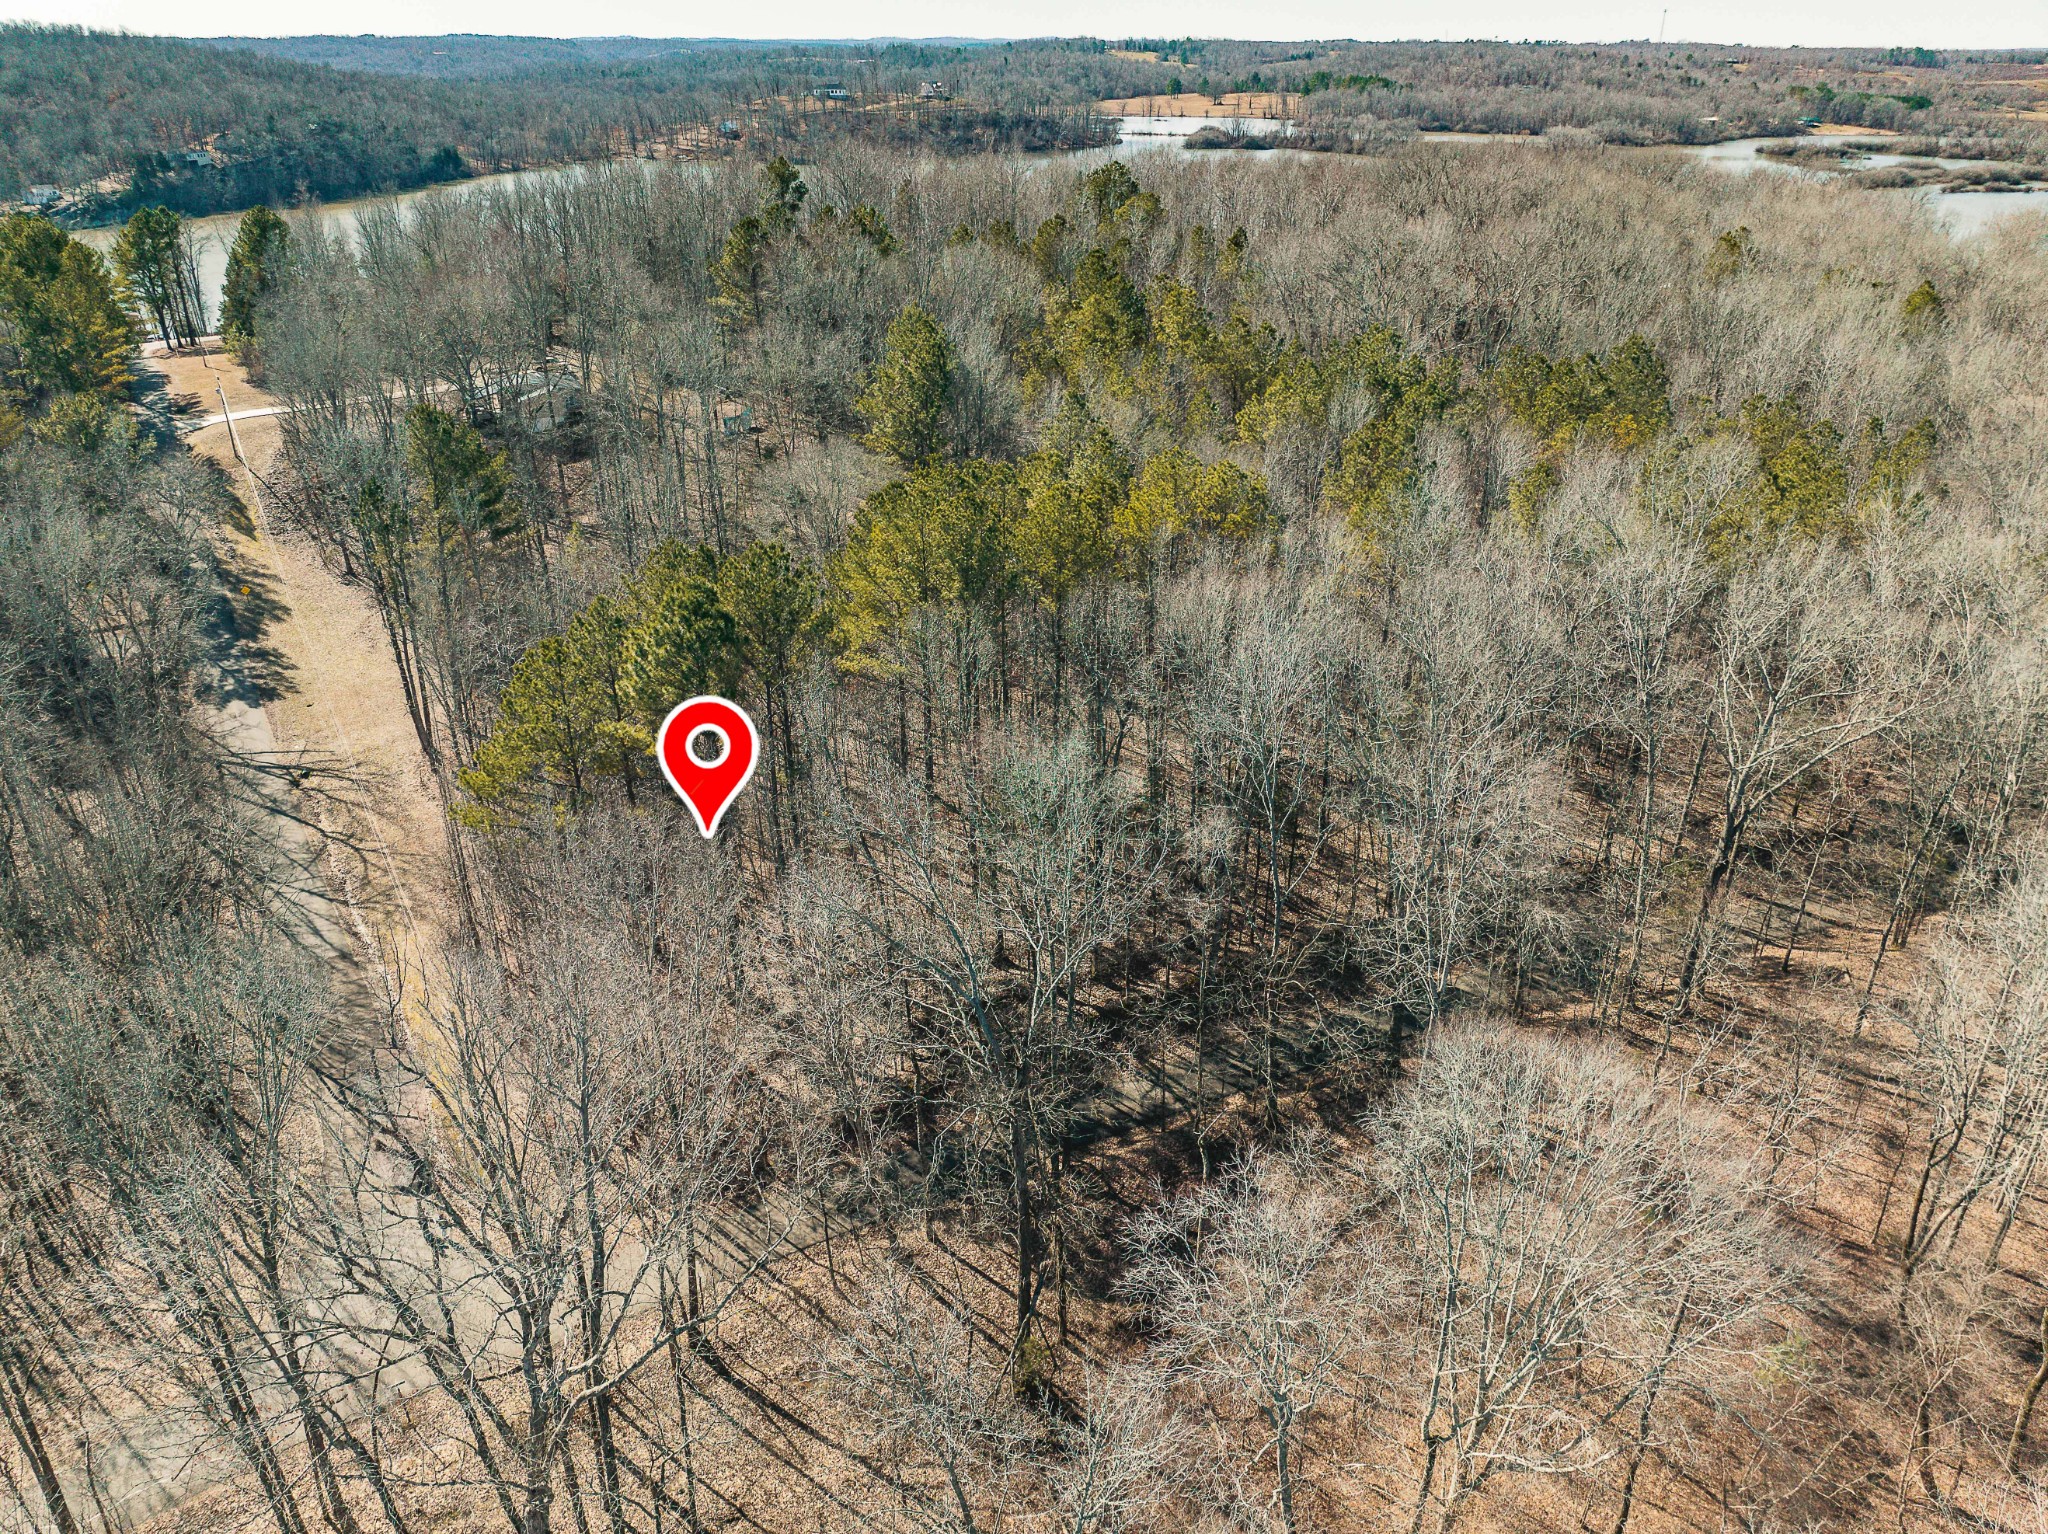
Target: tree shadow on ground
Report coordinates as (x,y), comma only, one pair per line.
(160,415)
(252,606)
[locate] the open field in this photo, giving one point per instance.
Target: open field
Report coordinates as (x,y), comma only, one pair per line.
(1263,104)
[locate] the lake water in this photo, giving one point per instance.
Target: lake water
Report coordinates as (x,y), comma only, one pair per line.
(214,234)
(1141,131)
(1965,213)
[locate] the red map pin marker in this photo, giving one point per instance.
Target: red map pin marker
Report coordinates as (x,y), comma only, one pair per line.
(706,787)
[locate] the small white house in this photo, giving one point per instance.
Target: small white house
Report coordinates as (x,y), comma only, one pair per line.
(44,196)
(830,90)
(934,90)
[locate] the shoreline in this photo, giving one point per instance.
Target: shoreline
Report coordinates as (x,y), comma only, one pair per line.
(319,204)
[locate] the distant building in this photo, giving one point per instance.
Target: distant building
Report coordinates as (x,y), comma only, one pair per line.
(545,399)
(728,129)
(934,90)
(198,157)
(830,90)
(44,196)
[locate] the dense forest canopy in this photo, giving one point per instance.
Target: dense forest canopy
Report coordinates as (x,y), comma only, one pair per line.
(115,121)
(467,55)
(199,130)
(1396,877)
(473,54)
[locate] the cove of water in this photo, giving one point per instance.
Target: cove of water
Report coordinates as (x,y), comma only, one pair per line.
(1964,213)
(213,234)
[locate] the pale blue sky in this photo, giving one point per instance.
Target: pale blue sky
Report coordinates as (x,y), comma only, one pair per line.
(1971,24)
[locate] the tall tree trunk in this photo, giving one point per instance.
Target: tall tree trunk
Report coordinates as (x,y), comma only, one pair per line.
(1639,898)
(678,1367)
(2028,1402)
(1725,851)
(1283,1465)
(21,1426)
(1904,893)
(1020,1190)
(1640,1449)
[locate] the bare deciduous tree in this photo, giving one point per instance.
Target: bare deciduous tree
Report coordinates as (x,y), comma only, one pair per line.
(1264,1295)
(1577,1245)
(940,1396)
(1807,664)
(1444,753)
(1056,868)
(1648,590)
(533,1191)
(1980,1037)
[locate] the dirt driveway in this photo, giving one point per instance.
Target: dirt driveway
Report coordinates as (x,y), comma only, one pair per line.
(329,701)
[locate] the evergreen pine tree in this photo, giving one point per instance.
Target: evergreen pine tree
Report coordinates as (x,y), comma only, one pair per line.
(905,401)
(262,244)
(59,314)
(157,270)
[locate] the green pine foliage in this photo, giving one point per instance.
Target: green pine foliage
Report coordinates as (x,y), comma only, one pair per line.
(1923,304)
(465,482)
(557,723)
(255,264)
(63,329)
(1093,324)
(935,540)
(1159,403)
(685,643)
(1620,401)
(741,267)
(736,274)
(582,706)
(1175,495)
(1815,482)
(1731,250)
(906,398)
(1622,398)
(1807,480)
(782,196)
(774,601)
(158,273)
(1377,463)
(1072,490)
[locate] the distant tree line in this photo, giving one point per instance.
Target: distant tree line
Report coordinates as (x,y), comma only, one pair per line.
(118,122)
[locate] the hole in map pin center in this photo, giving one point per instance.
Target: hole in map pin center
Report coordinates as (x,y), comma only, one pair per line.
(709,745)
